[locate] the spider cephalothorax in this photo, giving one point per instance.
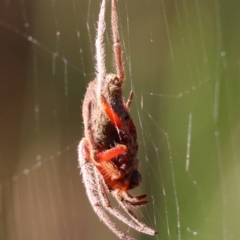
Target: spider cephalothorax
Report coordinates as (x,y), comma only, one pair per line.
(108,152)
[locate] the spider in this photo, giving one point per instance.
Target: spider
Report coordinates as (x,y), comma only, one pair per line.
(107,154)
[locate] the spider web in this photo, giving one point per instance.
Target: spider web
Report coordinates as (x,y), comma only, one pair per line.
(182,60)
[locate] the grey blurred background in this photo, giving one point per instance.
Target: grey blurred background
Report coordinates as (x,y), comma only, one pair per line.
(182,60)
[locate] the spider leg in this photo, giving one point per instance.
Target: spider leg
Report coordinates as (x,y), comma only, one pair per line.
(111,153)
(128,209)
(117,47)
(115,120)
(134,201)
(92,193)
(107,155)
(102,189)
(99,44)
(129,101)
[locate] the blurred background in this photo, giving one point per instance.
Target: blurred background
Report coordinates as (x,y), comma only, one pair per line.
(182,60)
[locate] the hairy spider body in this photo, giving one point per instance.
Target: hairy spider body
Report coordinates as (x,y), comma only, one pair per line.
(107,154)
(121,172)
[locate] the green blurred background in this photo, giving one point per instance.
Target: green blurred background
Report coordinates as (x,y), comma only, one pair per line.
(182,59)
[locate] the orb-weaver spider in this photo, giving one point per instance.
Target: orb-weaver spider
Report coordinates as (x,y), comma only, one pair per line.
(108,152)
